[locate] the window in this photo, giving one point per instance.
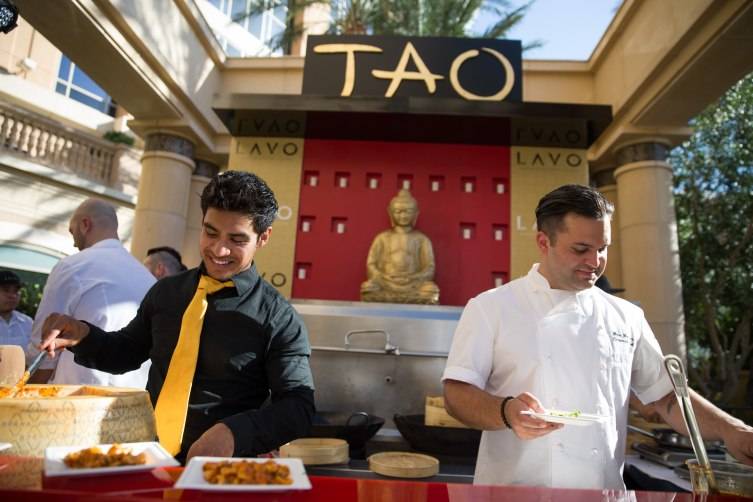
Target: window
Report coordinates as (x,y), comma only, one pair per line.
(303,271)
(499,186)
(373,180)
(468,184)
(342,180)
(404,181)
(339,225)
(467,231)
(498,279)
(436,183)
(311,178)
(307,223)
(242,34)
(75,84)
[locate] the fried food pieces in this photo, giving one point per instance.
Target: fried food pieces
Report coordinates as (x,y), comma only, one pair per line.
(23,391)
(247,473)
(32,392)
(13,391)
(94,457)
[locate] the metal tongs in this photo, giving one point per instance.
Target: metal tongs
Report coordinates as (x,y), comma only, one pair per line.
(34,366)
(676,372)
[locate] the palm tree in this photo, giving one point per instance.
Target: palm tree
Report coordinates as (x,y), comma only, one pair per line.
(438,18)
(446,18)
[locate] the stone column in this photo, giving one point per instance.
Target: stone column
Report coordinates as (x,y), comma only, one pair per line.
(648,232)
(204,172)
(603,179)
(160,216)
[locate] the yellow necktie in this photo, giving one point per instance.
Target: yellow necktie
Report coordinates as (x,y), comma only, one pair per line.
(172,403)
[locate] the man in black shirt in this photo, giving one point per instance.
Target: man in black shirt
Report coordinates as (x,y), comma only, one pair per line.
(253,345)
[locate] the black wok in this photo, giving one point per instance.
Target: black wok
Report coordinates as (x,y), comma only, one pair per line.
(355,428)
(453,441)
(669,438)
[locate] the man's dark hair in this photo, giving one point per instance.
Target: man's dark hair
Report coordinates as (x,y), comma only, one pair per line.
(577,199)
(8,277)
(241,192)
(178,264)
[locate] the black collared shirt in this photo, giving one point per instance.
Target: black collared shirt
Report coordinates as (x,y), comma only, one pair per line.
(253,347)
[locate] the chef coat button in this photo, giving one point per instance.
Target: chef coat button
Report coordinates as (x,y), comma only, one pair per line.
(549,357)
(594,451)
(560,446)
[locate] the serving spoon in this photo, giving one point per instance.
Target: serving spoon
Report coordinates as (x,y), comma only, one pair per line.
(676,372)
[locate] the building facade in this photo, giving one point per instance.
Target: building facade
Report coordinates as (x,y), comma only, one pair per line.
(657,65)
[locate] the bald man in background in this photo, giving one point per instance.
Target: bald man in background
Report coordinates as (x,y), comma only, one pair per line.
(103,285)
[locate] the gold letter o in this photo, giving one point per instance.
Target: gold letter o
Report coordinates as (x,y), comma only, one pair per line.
(499,96)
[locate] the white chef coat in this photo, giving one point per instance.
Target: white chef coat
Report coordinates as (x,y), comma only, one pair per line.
(103,285)
(16,330)
(573,351)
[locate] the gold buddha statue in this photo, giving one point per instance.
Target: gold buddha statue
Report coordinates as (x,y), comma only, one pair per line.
(400,265)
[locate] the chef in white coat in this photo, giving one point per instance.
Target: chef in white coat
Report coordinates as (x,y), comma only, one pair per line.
(552,340)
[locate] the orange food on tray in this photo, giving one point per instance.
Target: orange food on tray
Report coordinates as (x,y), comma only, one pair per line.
(46,391)
(13,391)
(26,392)
(247,473)
(95,457)
(21,390)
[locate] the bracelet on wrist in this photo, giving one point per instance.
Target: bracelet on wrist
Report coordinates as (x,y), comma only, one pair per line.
(502,411)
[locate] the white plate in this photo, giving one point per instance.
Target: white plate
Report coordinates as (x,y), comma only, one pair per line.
(156,456)
(193,476)
(564,417)
(5,446)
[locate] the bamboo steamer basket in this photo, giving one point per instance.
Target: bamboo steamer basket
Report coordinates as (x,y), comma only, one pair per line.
(436,415)
(400,464)
(78,415)
(317,451)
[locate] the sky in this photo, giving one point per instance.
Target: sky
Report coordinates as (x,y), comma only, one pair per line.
(570,29)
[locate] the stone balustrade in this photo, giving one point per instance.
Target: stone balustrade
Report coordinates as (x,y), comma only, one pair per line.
(55,145)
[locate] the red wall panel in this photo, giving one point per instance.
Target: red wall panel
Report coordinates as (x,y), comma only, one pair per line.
(335,263)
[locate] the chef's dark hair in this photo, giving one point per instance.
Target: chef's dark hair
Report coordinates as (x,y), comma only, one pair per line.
(241,192)
(578,199)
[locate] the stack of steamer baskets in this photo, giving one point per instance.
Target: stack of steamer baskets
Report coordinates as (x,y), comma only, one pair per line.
(67,415)
(317,451)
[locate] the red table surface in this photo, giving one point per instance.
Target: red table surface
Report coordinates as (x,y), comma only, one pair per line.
(157,484)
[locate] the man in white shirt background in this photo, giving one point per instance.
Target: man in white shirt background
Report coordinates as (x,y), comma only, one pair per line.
(552,340)
(103,284)
(15,326)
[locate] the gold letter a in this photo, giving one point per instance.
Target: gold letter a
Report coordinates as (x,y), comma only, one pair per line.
(400,73)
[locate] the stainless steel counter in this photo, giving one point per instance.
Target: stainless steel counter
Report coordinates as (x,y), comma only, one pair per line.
(379,358)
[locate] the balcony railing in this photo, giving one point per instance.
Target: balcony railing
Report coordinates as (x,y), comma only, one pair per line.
(39,139)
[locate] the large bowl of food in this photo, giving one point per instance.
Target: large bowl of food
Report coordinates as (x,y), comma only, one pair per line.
(38,416)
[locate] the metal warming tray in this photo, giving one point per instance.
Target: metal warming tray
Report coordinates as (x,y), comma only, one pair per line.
(670,457)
